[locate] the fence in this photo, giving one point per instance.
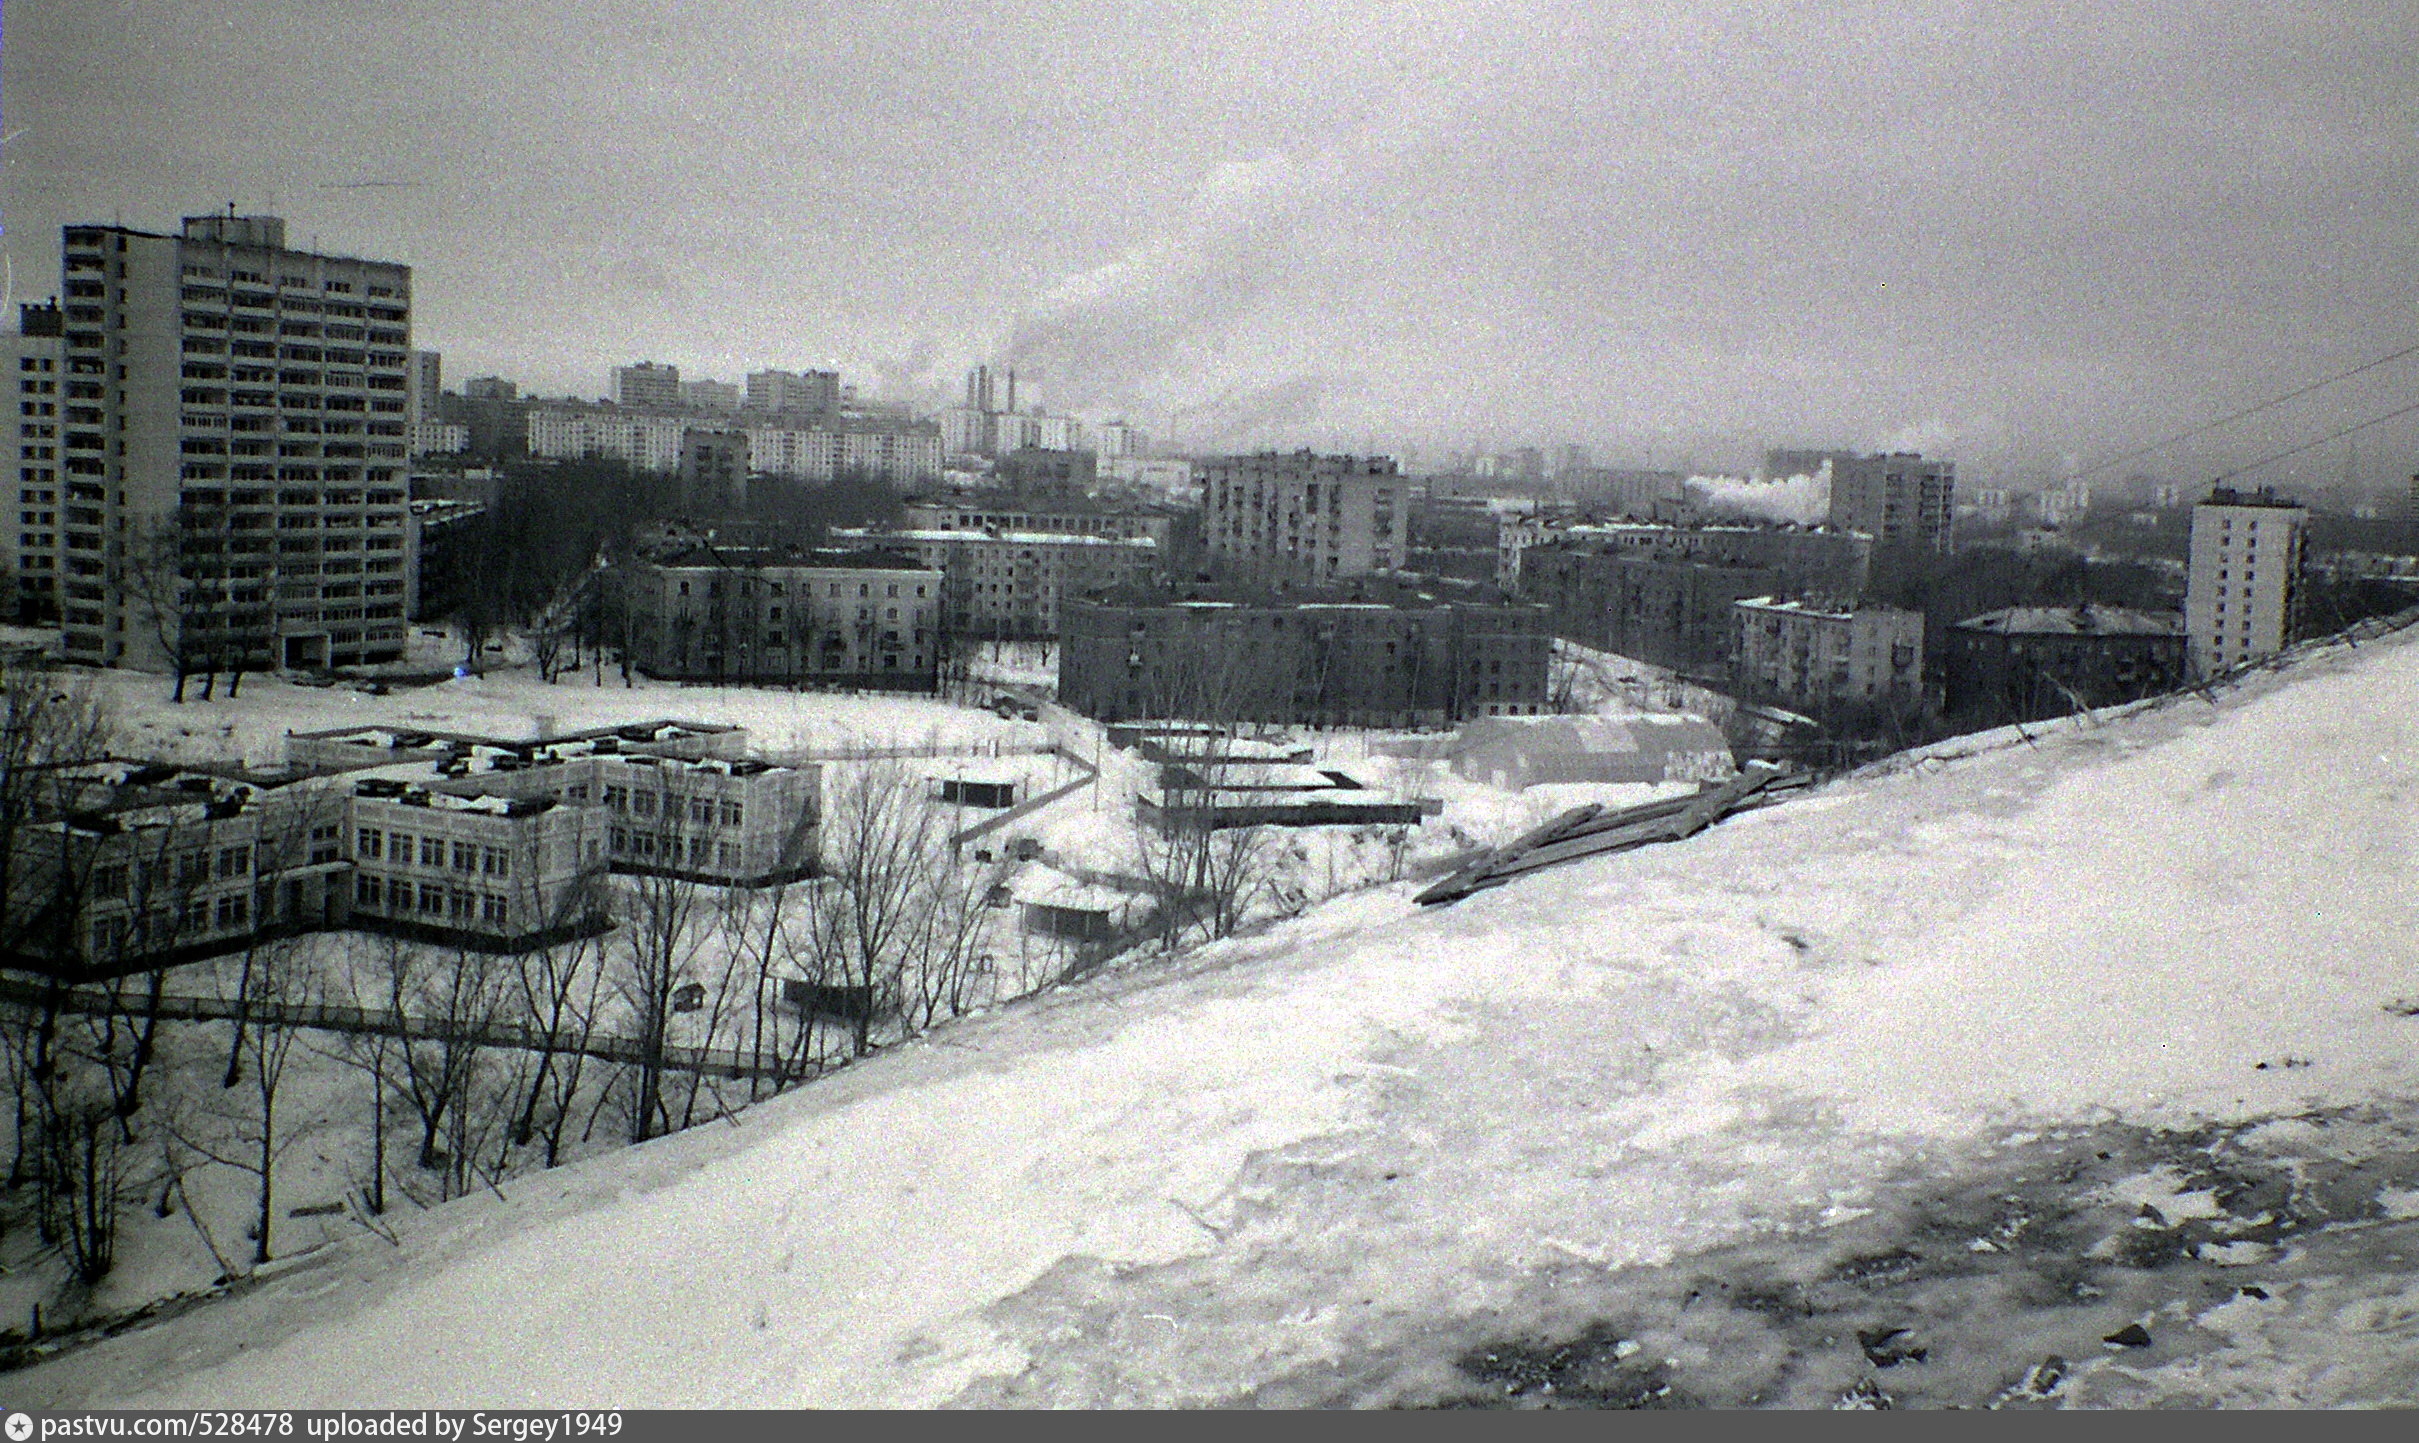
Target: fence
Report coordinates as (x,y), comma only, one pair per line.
(728,1062)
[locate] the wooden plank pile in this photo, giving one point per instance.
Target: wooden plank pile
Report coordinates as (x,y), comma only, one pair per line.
(1592,830)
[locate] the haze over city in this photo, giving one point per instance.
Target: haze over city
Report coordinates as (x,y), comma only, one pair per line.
(2012,234)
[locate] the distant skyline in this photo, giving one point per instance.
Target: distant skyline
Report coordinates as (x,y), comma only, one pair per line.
(2003,233)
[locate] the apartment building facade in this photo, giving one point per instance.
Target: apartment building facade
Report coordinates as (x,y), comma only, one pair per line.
(1899,499)
(1014,584)
(812,393)
(902,452)
(1305,518)
(1302,663)
(1060,516)
(2243,577)
(30,366)
(2026,663)
(1799,560)
(647,386)
(1675,614)
(1817,658)
(232,448)
(847,618)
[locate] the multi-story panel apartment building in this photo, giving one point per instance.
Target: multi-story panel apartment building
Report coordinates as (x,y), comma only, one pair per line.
(232,448)
(893,449)
(1899,499)
(29,545)
(711,398)
(1804,561)
(1822,659)
(427,386)
(565,432)
(2243,578)
(840,618)
(1674,614)
(1333,663)
(1013,583)
(787,393)
(647,386)
(1305,517)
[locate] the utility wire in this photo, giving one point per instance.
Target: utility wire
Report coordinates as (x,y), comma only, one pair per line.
(2248,411)
(2321,441)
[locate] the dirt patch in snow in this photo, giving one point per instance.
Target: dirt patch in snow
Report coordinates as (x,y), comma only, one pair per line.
(2268,1265)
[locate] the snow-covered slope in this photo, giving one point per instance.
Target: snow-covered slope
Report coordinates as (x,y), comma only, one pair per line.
(1338,1138)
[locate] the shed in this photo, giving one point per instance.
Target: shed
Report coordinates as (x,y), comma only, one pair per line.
(1522,752)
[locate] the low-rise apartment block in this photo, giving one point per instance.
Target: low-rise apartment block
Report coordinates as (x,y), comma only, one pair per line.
(1013,584)
(1674,614)
(867,619)
(1316,663)
(470,861)
(667,798)
(2026,663)
(1816,658)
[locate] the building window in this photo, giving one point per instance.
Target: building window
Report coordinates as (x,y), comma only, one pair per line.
(432,852)
(371,841)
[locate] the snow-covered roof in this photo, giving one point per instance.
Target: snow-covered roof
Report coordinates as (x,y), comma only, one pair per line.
(2074,621)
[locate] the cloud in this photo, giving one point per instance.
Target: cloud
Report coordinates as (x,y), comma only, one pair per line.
(1803,499)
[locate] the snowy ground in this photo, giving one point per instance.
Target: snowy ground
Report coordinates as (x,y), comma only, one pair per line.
(509,703)
(1973,1009)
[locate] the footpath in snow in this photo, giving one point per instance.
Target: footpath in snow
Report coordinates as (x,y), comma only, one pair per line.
(1333,1161)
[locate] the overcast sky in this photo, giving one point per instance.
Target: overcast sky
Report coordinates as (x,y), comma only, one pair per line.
(2005,233)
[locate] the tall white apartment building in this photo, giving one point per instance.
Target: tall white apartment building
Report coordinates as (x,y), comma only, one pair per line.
(234,419)
(1304,516)
(647,385)
(29,544)
(2245,570)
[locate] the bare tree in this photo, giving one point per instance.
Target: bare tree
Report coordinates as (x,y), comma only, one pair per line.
(557,989)
(1207,875)
(882,841)
(660,934)
(250,1135)
(150,572)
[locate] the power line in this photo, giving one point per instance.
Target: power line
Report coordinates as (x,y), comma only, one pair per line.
(2321,441)
(2248,411)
